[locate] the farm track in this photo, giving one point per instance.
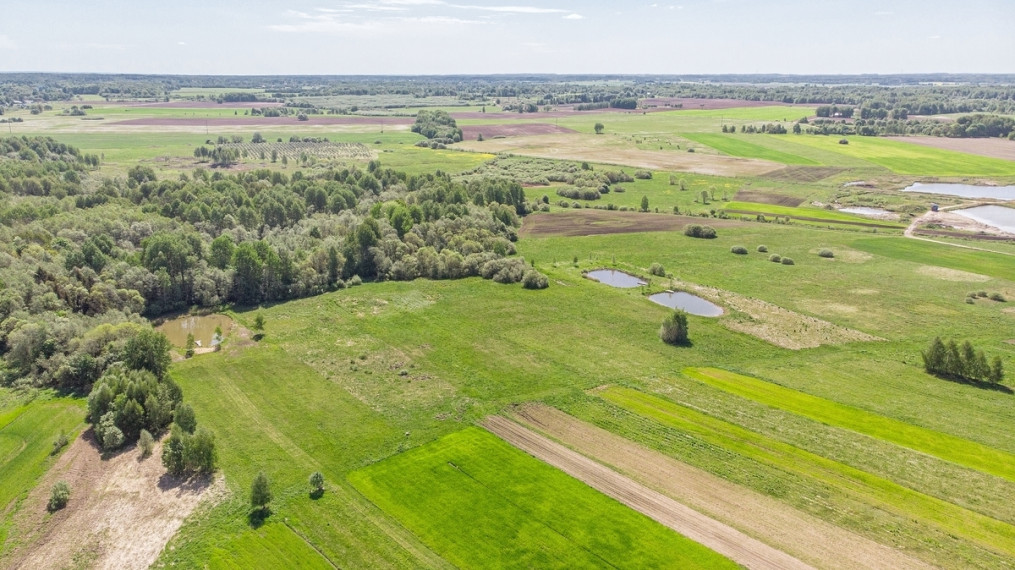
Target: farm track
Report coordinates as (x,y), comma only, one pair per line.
(798,534)
(722,538)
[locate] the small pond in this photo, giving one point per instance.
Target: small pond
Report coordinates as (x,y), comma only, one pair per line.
(997,216)
(965,190)
(615,278)
(687,302)
(203,328)
(863,211)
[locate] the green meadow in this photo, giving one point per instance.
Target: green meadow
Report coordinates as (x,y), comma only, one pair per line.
(479,502)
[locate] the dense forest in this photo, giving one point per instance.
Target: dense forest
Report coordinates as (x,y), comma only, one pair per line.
(84,260)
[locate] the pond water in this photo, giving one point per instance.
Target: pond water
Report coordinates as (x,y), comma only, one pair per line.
(615,278)
(863,211)
(685,301)
(203,328)
(997,216)
(965,190)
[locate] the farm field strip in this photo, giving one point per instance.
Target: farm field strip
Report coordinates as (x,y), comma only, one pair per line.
(885,494)
(815,214)
(766,518)
(734,145)
(479,502)
(941,445)
(993,264)
(722,538)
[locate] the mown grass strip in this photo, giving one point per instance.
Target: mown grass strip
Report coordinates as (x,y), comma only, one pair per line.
(808,213)
(738,146)
(986,531)
(941,445)
(983,262)
(481,503)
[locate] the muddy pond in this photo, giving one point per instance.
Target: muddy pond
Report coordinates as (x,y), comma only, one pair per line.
(964,190)
(693,304)
(203,329)
(998,216)
(615,278)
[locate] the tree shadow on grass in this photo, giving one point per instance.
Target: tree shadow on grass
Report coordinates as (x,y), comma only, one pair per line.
(316,494)
(257,517)
(977,383)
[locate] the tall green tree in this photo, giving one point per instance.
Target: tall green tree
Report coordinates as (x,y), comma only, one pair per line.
(260,492)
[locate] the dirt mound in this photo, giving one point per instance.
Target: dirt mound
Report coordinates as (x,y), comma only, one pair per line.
(472,132)
(803,173)
(773,523)
(599,222)
(718,536)
(121,513)
(766,198)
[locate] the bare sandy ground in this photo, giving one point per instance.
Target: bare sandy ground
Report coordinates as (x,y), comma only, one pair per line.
(720,537)
(121,513)
(993,147)
(774,525)
(607,149)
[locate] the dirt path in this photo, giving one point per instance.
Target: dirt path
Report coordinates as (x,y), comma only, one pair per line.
(796,533)
(121,513)
(722,538)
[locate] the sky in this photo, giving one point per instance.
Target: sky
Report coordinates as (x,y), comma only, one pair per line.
(421,37)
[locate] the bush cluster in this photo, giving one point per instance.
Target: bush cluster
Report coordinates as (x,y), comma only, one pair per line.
(699,231)
(739,250)
(657,269)
(674,328)
(827,253)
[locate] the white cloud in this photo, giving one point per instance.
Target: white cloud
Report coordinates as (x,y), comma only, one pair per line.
(7,43)
(574,17)
(181,43)
(511,9)
(935,37)
(884,13)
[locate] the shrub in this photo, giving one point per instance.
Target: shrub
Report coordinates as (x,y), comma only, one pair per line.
(762,249)
(619,189)
(843,141)
(699,231)
(657,269)
(970,301)
(535,280)
(59,496)
(145,443)
(826,253)
(998,297)
(317,481)
(185,418)
(643,175)
(59,443)
(775,258)
(787,261)
(980,294)
(355,281)
(739,250)
(674,328)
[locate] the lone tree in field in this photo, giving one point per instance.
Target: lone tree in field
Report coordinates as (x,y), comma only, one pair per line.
(258,326)
(260,492)
(599,128)
(317,483)
(644,203)
(674,329)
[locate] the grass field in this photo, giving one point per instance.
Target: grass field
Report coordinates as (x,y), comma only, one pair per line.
(980,262)
(905,158)
(818,214)
(27,432)
(481,503)
(962,452)
(885,494)
(735,145)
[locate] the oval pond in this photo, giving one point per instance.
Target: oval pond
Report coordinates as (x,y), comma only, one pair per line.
(687,302)
(203,328)
(615,278)
(964,190)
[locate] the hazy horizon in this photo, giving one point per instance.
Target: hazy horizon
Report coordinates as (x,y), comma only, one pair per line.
(438,37)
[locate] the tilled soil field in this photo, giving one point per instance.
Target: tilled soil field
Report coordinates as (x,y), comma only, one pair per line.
(588,222)
(774,524)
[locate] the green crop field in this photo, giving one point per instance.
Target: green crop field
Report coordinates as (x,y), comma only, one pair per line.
(735,145)
(940,445)
(993,264)
(481,503)
(811,213)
